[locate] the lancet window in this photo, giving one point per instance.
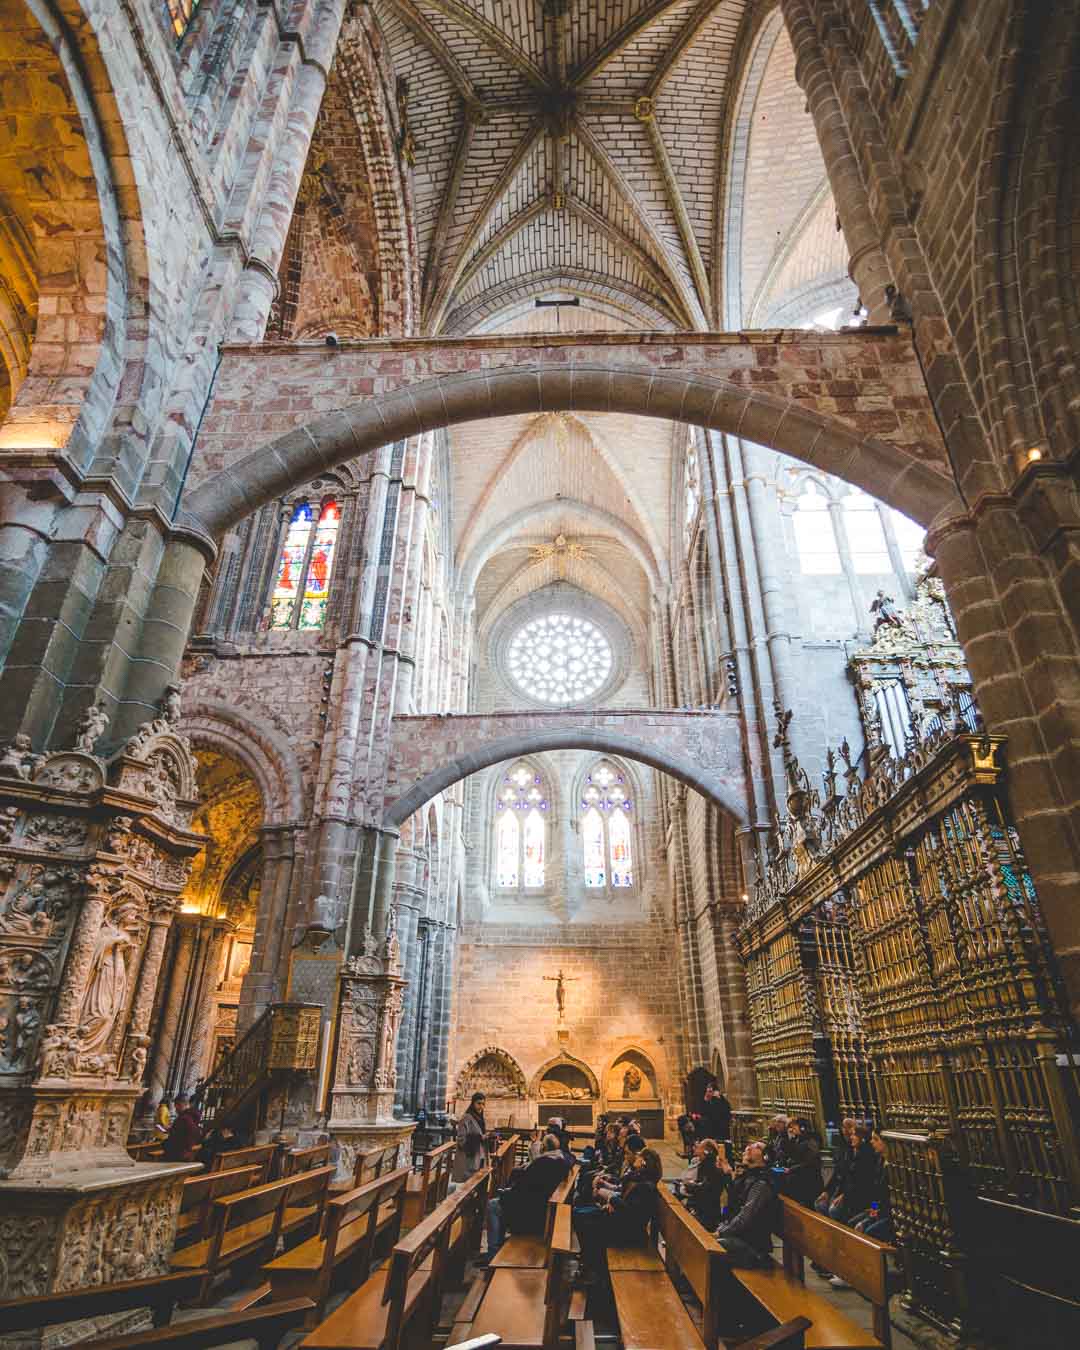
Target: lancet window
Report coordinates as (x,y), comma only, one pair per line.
(302,585)
(521,809)
(607,829)
(815,537)
(181,14)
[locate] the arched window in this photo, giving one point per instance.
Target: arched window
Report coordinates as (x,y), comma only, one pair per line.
(691,491)
(606,831)
(866,534)
(910,539)
(521,807)
(815,538)
(181,13)
(302,588)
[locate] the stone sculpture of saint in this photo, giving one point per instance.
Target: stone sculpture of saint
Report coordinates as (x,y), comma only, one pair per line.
(106,993)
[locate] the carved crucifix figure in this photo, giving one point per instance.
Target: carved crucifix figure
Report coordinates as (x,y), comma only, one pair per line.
(560,982)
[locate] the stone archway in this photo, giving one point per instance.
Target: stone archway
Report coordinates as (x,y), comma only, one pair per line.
(701,749)
(854,404)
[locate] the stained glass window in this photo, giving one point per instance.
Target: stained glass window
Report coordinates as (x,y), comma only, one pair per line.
(691,491)
(606,832)
(592,835)
(181,13)
(291,567)
(506,848)
(559,659)
(521,807)
(302,588)
(317,586)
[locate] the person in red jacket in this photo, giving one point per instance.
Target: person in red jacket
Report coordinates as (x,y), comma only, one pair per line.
(185,1135)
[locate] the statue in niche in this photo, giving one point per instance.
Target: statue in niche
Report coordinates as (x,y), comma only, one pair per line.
(631,1080)
(106,992)
(30,910)
(27,1025)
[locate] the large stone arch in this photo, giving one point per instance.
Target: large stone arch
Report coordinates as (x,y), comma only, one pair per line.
(713,768)
(854,404)
(254,743)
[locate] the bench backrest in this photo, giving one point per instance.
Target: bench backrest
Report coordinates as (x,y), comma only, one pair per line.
(435,1176)
(502,1161)
(246,1207)
(304,1159)
(260,1155)
(159,1292)
(374,1163)
(557,1285)
(149,1148)
(308,1188)
(202,1190)
(859,1259)
(695,1252)
(431,1234)
(352,1219)
(562,1193)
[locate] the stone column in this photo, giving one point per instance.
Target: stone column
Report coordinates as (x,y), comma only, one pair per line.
(165,1044)
(137,1042)
(741,1088)
(265,977)
(868,265)
(202,998)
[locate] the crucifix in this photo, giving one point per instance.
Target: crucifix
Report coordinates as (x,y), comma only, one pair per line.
(560,982)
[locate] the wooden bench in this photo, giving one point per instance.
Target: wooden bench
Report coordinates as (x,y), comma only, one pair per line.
(150,1150)
(354,1223)
(856,1258)
(368,1165)
(265,1325)
(160,1294)
(502,1163)
(427,1188)
(246,1227)
(199,1194)
(791,1336)
(527,1306)
(403,1297)
(305,1159)
(259,1155)
(528,1251)
(652,1315)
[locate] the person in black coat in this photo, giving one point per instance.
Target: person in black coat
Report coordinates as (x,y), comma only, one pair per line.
(521,1207)
(752,1210)
(705,1194)
(803,1180)
(623,1219)
(831,1200)
(715,1115)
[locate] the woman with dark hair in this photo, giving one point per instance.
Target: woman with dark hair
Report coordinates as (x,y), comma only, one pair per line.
(471,1153)
(803,1180)
(705,1193)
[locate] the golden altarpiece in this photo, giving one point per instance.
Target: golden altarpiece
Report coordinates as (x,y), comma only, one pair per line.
(897,965)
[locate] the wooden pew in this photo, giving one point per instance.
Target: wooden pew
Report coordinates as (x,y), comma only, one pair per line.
(403,1296)
(265,1325)
(859,1259)
(427,1188)
(368,1165)
(527,1251)
(502,1163)
(354,1223)
(791,1336)
(304,1159)
(150,1150)
(650,1311)
(246,1227)
(527,1306)
(259,1155)
(690,1250)
(159,1293)
(199,1194)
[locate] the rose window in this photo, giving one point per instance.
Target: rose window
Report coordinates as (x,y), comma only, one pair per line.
(559,659)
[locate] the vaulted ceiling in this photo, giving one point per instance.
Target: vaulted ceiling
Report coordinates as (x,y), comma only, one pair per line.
(564,143)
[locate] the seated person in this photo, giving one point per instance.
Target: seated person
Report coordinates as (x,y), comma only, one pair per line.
(830,1201)
(776,1154)
(521,1207)
(875,1220)
(752,1210)
(221,1139)
(185,1134)
(803,1181)
(703,1195)
(620,1217)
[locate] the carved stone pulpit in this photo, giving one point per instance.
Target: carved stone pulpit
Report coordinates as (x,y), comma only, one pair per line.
(93,859)
(371,994)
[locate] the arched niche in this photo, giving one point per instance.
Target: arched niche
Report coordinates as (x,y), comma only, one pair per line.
(497,1074)
(568,1088)
(633,1086)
